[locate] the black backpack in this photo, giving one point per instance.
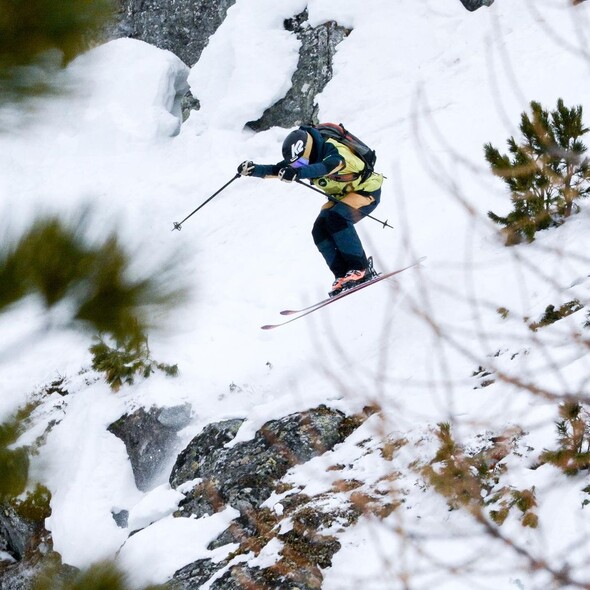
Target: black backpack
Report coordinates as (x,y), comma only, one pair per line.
(358,147)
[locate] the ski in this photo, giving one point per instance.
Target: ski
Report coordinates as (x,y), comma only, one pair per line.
(350,291)
(320,304)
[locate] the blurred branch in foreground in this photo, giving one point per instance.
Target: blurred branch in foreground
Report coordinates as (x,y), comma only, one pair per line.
(100,576)
(56,261)
(38,36)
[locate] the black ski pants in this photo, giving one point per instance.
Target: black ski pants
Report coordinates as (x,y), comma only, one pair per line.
(336,237)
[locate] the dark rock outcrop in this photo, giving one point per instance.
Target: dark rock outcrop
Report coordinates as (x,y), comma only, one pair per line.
(314,71)
(245,474)
(16,533)
(28,550)
(24,574)
(194,575)
(180,26)
(241,577)
(150,438)
(472,5)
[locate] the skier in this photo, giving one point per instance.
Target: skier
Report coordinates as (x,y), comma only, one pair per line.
(336,170)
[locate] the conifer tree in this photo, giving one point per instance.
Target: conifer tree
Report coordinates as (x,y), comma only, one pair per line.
(573,430)
(129,358)
(545,171)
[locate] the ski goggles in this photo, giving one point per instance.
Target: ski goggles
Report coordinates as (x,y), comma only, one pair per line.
(299,162)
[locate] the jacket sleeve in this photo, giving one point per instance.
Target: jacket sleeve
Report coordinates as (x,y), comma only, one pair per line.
(330,162)
(265,170)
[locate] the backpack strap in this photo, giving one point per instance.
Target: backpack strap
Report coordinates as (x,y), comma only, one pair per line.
(351,177)
(346,153)
(342,136)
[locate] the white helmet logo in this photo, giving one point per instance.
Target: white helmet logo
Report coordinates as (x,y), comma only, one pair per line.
(297,149)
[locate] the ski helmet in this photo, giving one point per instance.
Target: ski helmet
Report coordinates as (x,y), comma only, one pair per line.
(295,145)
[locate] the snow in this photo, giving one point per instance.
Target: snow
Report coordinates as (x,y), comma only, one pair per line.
(172,543)
(78,468)
(119,103)
(427,84)
(268,555)
(238,63)
(155,505)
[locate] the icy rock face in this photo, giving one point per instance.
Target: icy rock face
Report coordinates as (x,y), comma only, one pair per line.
(180,26)
(314,71)
(150,439)
(184,27)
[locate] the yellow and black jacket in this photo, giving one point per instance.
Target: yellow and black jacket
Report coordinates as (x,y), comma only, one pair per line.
(332,167)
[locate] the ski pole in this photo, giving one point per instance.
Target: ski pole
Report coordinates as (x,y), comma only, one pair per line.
(178,224)
(335,200)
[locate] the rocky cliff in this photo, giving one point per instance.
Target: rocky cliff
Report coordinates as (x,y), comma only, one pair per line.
(184,27)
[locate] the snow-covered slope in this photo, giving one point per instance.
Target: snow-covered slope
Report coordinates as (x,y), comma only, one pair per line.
(426,84)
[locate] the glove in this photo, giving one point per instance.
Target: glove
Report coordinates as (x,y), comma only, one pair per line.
(246,168)
(288,174)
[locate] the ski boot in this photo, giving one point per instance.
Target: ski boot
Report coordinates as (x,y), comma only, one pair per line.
(354,278)
(336,287)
